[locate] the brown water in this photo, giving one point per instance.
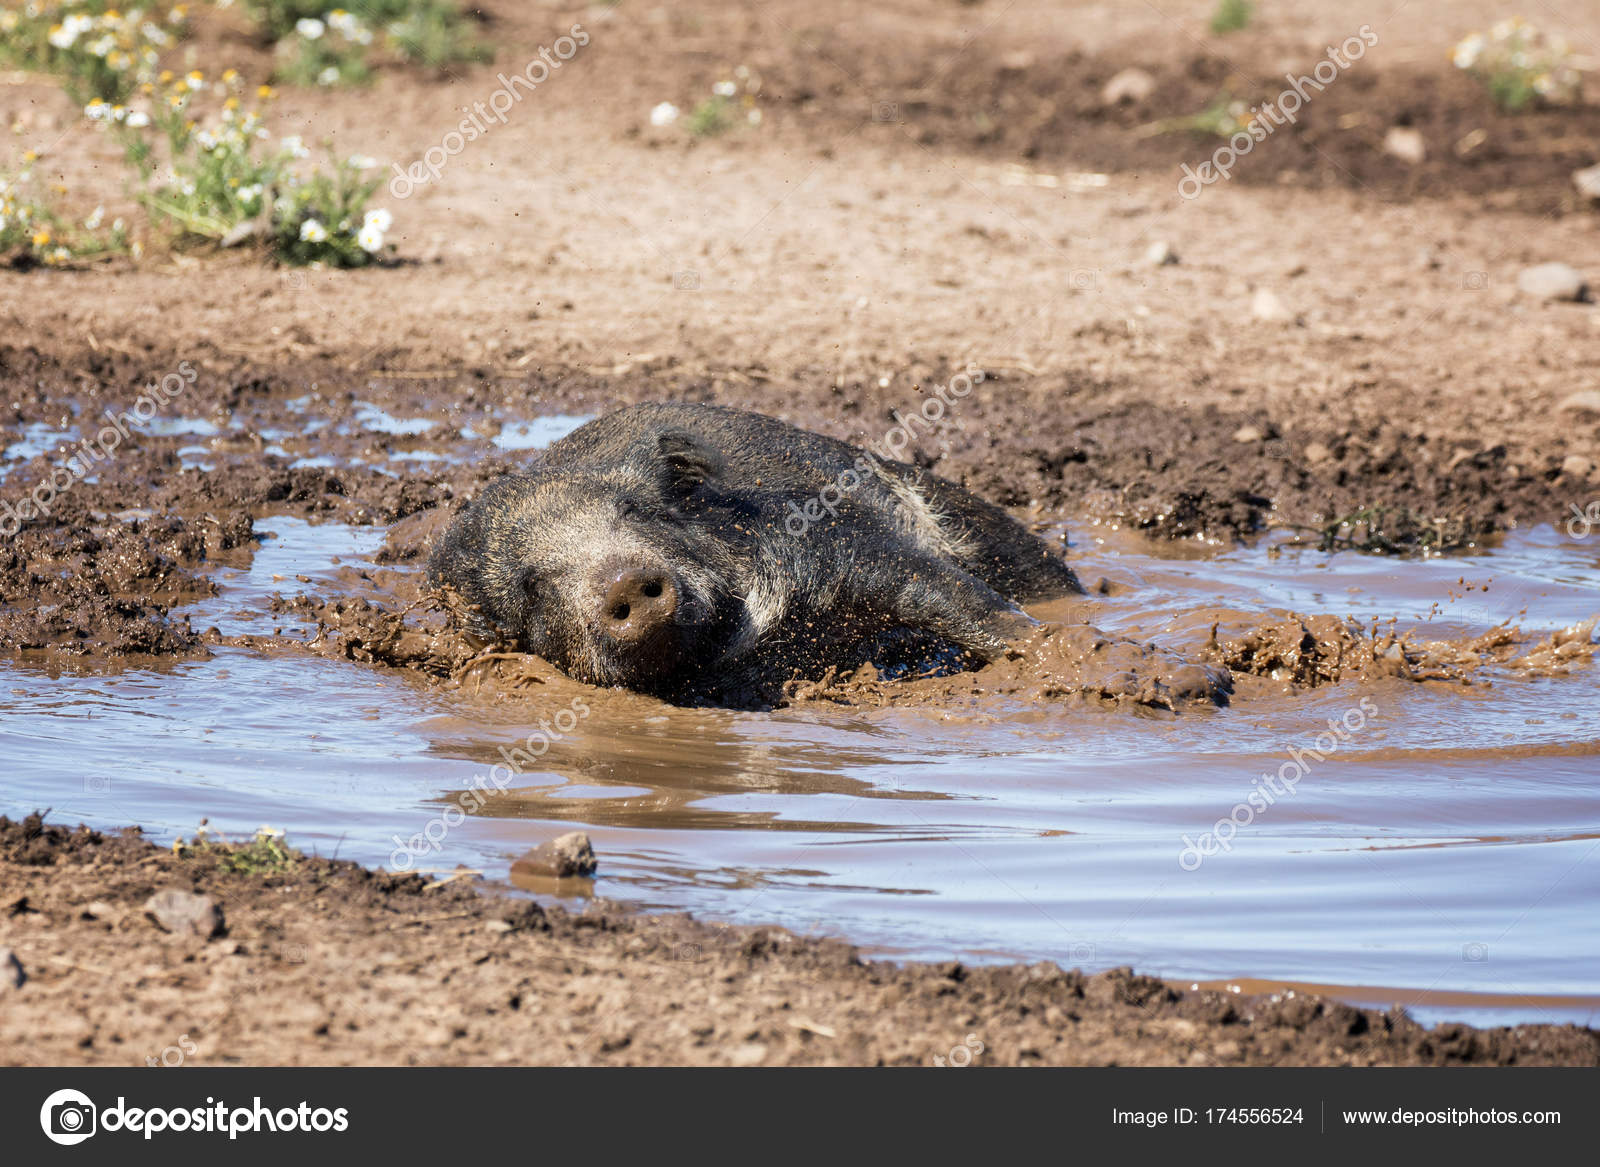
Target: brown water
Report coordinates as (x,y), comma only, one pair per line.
(1443,856)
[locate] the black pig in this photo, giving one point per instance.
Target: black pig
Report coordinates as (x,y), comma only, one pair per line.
(702,553)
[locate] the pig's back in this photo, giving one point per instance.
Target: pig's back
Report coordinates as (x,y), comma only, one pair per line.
(759,450)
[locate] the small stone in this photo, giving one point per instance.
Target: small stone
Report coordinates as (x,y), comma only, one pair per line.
(750,1053)
(1130,85)
(11,974)
(1577,466)
(1267,306)
(567,855)
(1552,281)
(1588,182)
(1406,144)
(1584,399)
(184,914)
(1317,452)
(1247,433)
(241,233)
(1160,254)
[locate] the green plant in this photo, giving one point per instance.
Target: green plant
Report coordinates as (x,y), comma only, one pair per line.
(427,32)
(1520,66)
(215,181)
(265,854)
(1223,117)
(97,50)
(712,116)
(726,106)
(1392,530)
(330,51)
(32,231)
(433,33)
(324,219)
(1231,16)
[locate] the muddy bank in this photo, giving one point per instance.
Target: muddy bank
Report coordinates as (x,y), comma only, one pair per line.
(326,963)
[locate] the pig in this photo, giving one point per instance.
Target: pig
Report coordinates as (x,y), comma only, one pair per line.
(704,554)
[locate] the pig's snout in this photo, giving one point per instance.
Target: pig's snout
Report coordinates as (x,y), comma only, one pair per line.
(638,603)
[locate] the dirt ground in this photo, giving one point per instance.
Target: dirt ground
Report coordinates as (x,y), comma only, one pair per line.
(933,187)
(327,963)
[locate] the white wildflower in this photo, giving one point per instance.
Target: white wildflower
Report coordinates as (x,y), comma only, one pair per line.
(664,114)
(1468,51)
(310,27)
(311,231)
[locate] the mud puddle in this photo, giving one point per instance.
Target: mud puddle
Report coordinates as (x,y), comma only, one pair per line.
(1442,853)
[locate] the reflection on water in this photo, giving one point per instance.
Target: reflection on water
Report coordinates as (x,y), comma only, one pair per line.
(1446,855)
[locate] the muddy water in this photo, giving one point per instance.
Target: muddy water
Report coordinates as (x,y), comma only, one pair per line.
(1445,854)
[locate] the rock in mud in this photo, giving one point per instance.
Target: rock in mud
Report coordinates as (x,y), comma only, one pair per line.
(1587,400)
(1130,86)
(1160,254)
(1552,281)
(1587,181)
(1268,307)
(1577,466)
(1406,144)
(185,914)
(561,858)
(11,974)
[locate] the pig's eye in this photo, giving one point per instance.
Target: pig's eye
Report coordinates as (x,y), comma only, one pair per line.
(532,586)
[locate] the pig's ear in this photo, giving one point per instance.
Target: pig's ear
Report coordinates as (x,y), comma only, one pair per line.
(688,461)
